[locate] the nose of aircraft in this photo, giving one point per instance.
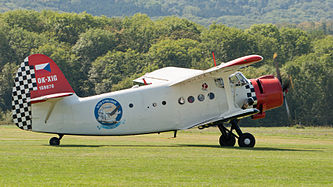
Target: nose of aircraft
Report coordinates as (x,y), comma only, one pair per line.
(269,94)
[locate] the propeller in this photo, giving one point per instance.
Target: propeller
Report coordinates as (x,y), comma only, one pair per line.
(285,85)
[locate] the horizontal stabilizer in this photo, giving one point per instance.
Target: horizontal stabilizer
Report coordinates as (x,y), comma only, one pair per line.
(48,97)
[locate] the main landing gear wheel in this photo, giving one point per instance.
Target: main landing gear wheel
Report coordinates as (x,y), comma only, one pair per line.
(56,141)
(227,140)
(246,140)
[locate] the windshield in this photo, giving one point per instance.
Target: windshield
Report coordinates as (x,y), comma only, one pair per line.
(238,79)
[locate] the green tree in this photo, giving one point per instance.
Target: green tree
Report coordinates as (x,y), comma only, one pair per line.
(110,69)
(23,41)
(267,30)
(92,44)
(26,19)
(67,27)
(6,84)
(228,43)
(267,38)
(179,53)
(312,75)
(177,28)
(294,42)
(95,43)
(6,52)
(137,33)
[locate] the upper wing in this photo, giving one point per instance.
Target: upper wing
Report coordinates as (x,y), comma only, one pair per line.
(168,74)
(176,76)
(233,66)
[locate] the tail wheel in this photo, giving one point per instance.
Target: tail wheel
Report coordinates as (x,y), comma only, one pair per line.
(54,141)
(227,140)
(246,140)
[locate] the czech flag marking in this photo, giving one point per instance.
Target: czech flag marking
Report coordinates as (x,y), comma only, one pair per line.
(43,67)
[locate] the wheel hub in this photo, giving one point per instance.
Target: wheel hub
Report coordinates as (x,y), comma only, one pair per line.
(247,141)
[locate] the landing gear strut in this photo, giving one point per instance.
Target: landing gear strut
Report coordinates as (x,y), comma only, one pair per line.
(228,138)
(56,141)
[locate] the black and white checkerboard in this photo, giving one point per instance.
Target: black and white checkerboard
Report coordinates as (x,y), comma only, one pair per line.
(25,81)
(251,93)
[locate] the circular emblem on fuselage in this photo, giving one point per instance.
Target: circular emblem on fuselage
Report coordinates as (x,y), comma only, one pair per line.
(108,113)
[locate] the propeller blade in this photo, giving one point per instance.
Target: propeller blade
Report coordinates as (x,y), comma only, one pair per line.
(286,85)
(278,75)
(291,81)
(287,107)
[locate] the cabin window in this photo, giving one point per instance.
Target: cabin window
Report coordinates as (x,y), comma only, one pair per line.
(181,100)
(163,102)
(219,82)
(131,105)
(211,95)
(190,99)
(201,97)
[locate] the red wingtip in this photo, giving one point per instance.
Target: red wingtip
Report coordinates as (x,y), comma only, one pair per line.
(245,60)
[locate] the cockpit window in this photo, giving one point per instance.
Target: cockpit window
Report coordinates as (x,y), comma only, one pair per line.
(234,81)
(242,79)
(238,79)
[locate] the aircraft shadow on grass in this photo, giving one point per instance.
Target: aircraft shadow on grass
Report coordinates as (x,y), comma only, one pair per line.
(76,145)
(250,148)
(193,145)
(133,145)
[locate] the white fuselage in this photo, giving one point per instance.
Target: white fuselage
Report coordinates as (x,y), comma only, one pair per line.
(145,109)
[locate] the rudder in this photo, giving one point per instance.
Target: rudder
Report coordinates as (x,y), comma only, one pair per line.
(36,77)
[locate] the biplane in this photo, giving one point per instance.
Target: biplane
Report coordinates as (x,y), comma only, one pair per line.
(168,99)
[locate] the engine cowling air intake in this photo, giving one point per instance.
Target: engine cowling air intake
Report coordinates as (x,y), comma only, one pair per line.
(269,94)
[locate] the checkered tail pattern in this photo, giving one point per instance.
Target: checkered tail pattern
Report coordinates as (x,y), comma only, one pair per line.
(25,81)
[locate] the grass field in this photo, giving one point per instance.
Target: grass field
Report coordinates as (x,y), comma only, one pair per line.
(282,157)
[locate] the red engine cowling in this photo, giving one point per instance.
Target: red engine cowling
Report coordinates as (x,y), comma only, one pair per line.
(269,94)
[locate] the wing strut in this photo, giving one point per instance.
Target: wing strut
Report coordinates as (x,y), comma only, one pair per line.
(175,134)
(52,104)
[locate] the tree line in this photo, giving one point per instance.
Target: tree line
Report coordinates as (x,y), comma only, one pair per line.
(236,13)
(98,54)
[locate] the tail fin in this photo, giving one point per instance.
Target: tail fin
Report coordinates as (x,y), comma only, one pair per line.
(38,76)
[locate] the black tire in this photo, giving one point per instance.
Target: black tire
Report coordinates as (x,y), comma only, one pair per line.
(228,140)
(246,140)
(54,141)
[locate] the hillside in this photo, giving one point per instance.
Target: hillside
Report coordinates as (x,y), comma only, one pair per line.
(239,13)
